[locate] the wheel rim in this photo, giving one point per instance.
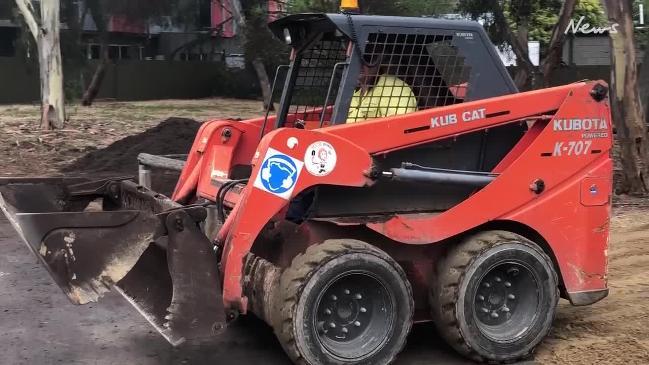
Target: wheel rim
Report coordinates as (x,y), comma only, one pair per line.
(354,315)
(506,301)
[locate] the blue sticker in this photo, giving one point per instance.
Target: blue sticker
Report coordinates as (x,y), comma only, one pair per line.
(278,174)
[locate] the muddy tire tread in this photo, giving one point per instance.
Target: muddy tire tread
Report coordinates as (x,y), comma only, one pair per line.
(302,268)
(451,271)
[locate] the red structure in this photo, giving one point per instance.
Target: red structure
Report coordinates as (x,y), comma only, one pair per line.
(276,9)
(125,24)
(223,17)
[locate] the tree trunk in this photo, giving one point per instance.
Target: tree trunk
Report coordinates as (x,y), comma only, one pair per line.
(522,76)
(53,104)
(98,14)
(97,78)
(628,115)
(643,81)
(47,40)
(257,63)
(552,57)
(264,83)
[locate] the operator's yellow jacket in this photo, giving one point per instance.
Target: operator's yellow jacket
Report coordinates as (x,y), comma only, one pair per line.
(390,96)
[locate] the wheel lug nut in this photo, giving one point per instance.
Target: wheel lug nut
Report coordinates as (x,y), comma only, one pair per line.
(333,297)
(332,325)
(505,309)
(484,310)
(511,296)
(357,324)
(345,330)
(347,291)
(498,279)
(481,298)
(494,315)
(327,311)
(486,285)
(363,310)
(358,296)
(508,284)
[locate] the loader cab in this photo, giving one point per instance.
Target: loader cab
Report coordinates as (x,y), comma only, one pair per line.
(443,62)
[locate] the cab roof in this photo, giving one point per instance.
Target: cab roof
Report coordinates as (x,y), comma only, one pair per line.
(323,22)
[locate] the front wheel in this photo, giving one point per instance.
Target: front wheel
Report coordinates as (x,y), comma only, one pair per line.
(494,296)
(343,302)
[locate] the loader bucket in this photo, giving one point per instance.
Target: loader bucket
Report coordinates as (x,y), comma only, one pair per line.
(93,236)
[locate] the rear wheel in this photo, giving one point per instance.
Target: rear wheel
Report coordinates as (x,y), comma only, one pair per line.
(343,302)
(494,296)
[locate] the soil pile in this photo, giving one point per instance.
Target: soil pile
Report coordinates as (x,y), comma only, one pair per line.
(171,136)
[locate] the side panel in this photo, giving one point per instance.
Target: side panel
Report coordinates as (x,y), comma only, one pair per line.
(572,149)
(578,233)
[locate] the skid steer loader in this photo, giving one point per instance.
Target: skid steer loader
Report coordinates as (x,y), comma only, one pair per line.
(475,207)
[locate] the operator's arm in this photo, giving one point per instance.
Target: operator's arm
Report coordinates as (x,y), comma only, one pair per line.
(364,107)
(355,113)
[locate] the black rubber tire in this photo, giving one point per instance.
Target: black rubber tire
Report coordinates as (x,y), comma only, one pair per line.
(459,276)
(311,274)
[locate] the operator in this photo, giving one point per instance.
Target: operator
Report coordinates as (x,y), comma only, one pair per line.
(380,95)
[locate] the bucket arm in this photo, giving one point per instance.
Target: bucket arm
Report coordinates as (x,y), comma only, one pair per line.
(259,205)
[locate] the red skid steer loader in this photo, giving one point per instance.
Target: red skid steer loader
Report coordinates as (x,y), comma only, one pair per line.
(402,179)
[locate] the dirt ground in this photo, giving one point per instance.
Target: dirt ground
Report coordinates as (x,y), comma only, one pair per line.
(27,150)
(39,326)
(615,330)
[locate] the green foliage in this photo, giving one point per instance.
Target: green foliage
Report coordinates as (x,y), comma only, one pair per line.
(541,20)
(259,41)
(315,6)
(593,12)
(378,7)
(387,7)
(540,16)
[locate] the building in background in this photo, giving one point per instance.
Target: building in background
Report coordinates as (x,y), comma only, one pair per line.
(213,34)
(8,30)
(593,48)
(188,56)
(590,50)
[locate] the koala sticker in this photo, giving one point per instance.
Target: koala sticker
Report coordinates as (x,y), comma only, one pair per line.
(279,174)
